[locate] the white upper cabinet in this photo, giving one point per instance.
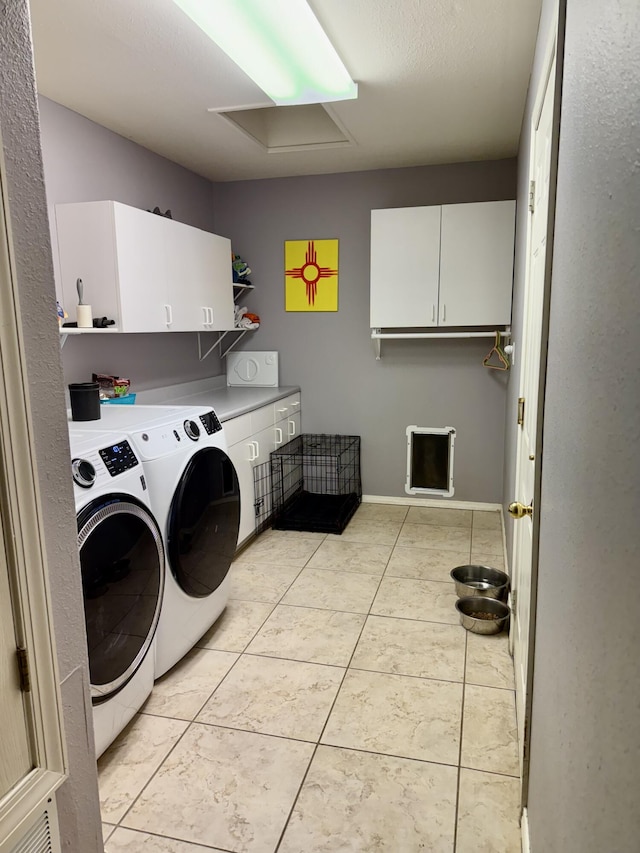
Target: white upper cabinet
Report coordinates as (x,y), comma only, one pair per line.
(405,261)
(476,263)
(146,272)
(445,265)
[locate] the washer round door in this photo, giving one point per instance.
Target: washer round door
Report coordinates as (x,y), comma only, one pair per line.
(203,523)
(123,567)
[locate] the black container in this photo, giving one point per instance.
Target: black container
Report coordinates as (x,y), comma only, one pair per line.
(85,401)
(315,483)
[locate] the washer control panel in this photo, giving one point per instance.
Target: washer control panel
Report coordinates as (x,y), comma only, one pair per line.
(118,458)
(210,422)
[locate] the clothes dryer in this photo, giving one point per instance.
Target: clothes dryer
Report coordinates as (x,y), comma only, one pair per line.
(122,562)
(195,496)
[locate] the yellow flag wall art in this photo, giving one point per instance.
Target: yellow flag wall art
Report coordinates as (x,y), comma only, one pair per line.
(311,275)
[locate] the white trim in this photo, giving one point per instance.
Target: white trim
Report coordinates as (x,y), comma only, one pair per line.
(26,557)
(475,505)
(524,831)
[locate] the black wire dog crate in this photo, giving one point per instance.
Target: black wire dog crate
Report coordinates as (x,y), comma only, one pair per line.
(315,483)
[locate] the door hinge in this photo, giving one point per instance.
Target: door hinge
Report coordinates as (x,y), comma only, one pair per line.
(520,411)
(23,670)
(532,196)
(525,740)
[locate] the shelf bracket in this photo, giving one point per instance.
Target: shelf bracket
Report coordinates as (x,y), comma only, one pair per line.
(376,343)
(218,343)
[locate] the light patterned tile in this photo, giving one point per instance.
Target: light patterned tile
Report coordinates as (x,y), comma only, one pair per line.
(381,512)
(488,813)
(436,537)
(495,561)
(425,564)
(440,516)
(252,582)
(275,697)
(489,733)
(406,598)
(237,626)
(293,534)
(351,557)
(132,759)
(308,634)
(397,715)
(279,551)
(369,532)
(187,686)
(132,841)
(206,791)
(405,647)
(487,520)
(488,661)
(354,801)
(333,590)
(486,541)
(107,829)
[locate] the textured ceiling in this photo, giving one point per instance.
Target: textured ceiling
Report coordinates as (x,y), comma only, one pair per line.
(439,81)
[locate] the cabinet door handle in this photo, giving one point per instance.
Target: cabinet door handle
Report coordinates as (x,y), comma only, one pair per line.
(292,429)
(444,313)
(257,447)
(205,316)
(252,450)
(279,436)
(282,411)
(168,315)
(210,312)
(433,312)
(293,405)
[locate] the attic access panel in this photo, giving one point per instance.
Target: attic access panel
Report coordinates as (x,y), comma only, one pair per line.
(285,129)
(430,461)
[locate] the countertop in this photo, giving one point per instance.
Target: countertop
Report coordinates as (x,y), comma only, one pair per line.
(227,401)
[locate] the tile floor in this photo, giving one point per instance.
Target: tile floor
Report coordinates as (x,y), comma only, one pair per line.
(336,706)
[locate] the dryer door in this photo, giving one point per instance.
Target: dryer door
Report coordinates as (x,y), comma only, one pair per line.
(202,530)
(123,566)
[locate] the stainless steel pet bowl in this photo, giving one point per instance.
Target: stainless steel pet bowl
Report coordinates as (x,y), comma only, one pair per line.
(480,581)
(482,615)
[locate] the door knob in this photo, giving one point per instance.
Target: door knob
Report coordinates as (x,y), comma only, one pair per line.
(518,510)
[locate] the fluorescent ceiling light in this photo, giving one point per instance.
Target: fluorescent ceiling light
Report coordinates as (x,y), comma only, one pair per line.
(279,44)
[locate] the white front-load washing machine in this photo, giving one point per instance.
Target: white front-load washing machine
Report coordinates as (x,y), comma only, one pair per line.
(122,561)
(195,496)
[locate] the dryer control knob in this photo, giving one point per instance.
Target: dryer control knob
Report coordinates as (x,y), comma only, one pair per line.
(83,473)
(192,430)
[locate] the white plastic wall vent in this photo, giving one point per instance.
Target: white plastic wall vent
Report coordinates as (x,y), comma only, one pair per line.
(42,834)
(430,461)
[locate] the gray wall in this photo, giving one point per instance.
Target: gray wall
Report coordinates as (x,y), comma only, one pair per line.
(331,355)
(585,774)
(86,162)
(78,797)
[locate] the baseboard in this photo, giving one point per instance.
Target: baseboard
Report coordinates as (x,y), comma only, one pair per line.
(524,829)
(443,504)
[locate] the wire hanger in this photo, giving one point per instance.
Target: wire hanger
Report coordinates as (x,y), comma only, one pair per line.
(497,349)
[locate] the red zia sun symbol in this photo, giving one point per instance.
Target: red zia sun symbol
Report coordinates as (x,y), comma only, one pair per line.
(311,273)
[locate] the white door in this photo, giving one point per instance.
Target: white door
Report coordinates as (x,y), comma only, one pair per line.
(530,395)
(16,757)
(241,454)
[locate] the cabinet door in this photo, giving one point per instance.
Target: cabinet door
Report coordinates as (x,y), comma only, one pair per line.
(405,259)
(199,273)
(476,263)
(146,302)
(241,455)
(294,425)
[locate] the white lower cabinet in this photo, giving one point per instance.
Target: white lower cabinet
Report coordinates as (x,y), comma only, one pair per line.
(251,439)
